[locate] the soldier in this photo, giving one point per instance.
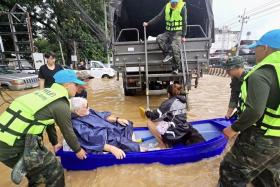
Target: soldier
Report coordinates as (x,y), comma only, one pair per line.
(255,154)
(175,15)
(235,69)
(23,123)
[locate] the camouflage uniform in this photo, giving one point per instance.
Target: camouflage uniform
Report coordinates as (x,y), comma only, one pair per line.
(253,158)
(41,165)
(171,40)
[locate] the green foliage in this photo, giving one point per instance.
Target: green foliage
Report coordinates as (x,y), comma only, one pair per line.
(54,21)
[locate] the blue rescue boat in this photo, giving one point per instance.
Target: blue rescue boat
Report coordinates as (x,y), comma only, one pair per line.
(214,145)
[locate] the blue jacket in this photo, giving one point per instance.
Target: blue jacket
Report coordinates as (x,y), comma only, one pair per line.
(94,131)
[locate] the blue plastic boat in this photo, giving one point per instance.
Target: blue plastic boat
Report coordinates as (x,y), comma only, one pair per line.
(211,130)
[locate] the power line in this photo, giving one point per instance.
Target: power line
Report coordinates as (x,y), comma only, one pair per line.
(264,10)
(260,9)
(263,5)
(233,19)
(268,13)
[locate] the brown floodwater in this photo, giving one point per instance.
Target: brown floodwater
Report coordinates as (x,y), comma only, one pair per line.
(209,100)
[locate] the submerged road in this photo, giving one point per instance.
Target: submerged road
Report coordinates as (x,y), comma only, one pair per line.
(209,100)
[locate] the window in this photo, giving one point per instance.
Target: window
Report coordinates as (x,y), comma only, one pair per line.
(97,65)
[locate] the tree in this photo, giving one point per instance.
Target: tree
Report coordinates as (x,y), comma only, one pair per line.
(54,21)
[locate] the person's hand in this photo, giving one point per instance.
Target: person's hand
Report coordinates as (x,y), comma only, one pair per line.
(81,154)
(229,132)
(123,122)
(229,113)
(118,153)
(145,24)
(184,39)
(57,147)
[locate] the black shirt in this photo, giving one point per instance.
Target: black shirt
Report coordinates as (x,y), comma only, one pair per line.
(47,74)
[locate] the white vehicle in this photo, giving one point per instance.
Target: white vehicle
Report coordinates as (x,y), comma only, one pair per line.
(98,70)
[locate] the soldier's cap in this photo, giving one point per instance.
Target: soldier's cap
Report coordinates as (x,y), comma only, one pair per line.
(83,75)
(234,62)
(270,39)
(67,76)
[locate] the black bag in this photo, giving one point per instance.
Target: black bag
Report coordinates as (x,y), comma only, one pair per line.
(182,134)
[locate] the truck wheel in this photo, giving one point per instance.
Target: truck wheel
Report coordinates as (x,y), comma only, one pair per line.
(129,92)
(106,76)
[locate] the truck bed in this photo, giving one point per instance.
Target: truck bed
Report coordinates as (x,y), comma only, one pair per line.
(131,55)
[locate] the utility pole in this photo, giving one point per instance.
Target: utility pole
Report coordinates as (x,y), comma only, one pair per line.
(223,43)
(61,51)
(243,19)
(106,32)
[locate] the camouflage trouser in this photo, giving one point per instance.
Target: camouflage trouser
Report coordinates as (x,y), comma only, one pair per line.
(171,40)
(41,165)
(253,158)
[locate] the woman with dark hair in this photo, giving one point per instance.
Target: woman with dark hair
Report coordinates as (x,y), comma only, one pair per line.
(47,71)
(169,123)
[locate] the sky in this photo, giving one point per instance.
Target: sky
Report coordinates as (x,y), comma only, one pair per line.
(227,11)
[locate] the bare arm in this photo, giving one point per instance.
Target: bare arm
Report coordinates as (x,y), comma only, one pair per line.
(42,83)
(118,153)
(114,119)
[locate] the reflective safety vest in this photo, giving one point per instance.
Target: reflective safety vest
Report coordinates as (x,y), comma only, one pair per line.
(174,22)
(270,120)
(19,120)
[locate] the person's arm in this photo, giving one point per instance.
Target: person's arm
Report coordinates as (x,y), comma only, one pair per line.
(51,131)
(229,112)
(157,18)
(114,119)
(259,85)
(235,86)
(41,84)
(158,113)
(41,78)
(185,21)
(118,153)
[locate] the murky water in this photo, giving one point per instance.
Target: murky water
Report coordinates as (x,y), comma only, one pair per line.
(209,100)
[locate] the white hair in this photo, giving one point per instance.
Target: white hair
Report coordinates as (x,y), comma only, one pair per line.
(77,103)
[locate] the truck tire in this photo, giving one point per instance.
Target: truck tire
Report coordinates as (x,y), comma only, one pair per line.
(106,76)
(128,92)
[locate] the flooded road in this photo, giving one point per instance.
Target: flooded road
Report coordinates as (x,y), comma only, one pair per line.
(209,100)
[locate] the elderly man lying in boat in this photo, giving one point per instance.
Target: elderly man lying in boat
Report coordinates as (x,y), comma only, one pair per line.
(101,131)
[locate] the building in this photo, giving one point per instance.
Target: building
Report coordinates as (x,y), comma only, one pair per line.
(225,39)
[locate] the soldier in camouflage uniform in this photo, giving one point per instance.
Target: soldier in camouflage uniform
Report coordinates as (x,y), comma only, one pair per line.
(255,154)
(235,69)
(23,124)
(175,16)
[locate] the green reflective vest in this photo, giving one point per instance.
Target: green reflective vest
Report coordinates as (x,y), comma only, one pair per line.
(19,120)
(271,118)
(174,22)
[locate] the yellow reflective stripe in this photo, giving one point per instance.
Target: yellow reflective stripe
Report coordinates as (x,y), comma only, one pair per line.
(7,138)
(276,112)
(271,121)
(36,129)
(271,132)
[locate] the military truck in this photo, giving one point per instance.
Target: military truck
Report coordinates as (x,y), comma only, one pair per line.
(141,65)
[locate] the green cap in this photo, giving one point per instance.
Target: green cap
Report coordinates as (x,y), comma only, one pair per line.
(234,62)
